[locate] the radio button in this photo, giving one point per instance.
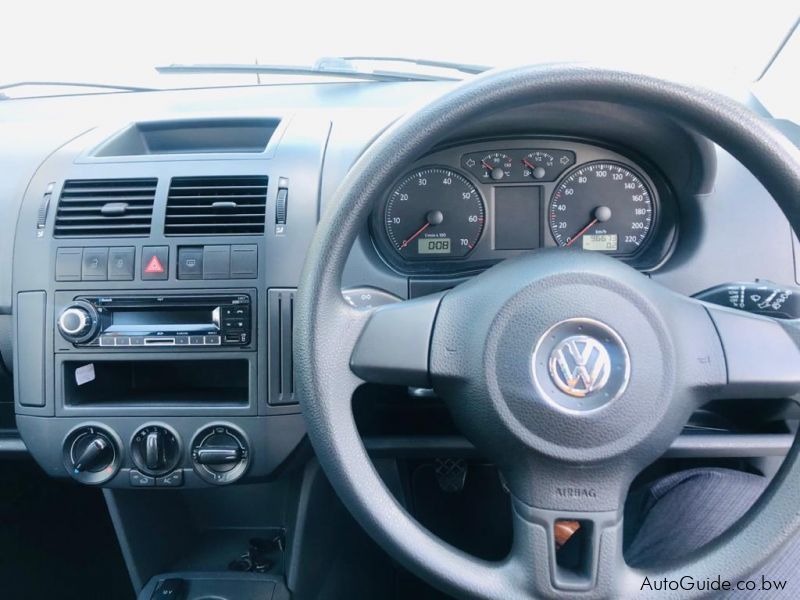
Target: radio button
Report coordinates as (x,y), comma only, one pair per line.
(106,340)
(235,311)
(196,340)
(137,340)
(181,340)
(123,340)
(212,340)
(234,324)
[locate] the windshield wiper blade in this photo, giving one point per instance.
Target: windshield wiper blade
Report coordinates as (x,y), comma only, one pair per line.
(316,70)
(79,84)
(423,62)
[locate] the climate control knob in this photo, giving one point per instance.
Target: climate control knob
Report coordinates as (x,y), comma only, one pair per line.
(91,454)
(220,454)
(78,322)
(156,449)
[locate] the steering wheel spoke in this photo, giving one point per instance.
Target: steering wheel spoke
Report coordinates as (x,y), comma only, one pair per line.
(558,553)
(394,345)
(762,355)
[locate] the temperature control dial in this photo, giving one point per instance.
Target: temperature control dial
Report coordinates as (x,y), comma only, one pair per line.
(220,454)
(91,454)
(78,322)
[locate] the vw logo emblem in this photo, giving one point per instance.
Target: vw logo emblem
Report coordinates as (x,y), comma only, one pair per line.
(580,365)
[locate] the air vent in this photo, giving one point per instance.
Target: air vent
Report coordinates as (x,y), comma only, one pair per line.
(216,205)
(280,346)
(105,207)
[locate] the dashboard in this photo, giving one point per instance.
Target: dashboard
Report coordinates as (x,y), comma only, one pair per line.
(151,246)
(468,206)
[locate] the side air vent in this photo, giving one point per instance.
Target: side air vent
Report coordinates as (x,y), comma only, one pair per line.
(105,207)
(216,205)
(281,364)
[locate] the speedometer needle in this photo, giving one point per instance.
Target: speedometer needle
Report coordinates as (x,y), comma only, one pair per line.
(575,237)
(601,214)
(415,236)
(433,217)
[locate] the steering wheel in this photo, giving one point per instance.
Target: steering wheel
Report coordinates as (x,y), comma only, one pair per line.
(570,370)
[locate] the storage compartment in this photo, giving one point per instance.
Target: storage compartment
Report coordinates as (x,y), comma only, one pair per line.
(217,382)
(206,136)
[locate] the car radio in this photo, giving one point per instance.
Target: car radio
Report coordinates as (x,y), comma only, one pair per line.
(183,322)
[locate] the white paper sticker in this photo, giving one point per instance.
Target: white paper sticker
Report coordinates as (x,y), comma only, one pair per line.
(84,374)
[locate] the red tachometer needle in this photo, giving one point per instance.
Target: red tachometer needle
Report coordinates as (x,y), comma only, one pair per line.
(415,236)
(581,232)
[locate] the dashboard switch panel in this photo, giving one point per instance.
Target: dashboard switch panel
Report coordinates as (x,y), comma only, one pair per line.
(120,263)
(68,264)
(190,262)
(95,264)
(217,262)
(155,262)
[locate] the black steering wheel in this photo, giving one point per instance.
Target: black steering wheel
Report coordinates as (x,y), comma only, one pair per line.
(506,349)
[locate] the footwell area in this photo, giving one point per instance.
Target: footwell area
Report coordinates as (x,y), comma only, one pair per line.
(56,540)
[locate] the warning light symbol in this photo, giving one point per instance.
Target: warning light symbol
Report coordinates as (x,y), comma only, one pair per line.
(154,266)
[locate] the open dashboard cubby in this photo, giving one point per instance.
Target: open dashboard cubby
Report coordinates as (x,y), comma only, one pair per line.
(217,382)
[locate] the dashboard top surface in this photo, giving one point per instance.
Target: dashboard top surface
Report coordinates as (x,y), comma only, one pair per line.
(359,111)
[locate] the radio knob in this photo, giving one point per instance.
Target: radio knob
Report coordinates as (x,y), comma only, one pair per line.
(78,322)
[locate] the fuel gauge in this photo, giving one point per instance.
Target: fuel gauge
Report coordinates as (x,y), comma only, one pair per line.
(537,163)
(546,165)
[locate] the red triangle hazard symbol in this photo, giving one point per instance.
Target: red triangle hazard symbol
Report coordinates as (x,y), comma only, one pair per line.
(154,266)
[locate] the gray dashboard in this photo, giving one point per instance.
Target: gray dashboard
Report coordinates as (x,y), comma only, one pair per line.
(716,224)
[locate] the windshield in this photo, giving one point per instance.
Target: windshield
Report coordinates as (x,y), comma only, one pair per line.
(117,43)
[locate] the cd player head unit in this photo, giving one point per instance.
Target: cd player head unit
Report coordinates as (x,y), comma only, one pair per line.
(180,322)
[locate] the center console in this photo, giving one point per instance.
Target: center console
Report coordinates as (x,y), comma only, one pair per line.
(154,276)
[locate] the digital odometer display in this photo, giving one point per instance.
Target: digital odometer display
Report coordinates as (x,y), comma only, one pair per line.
(434,213)
(608,242)
(604,207)
(434,246)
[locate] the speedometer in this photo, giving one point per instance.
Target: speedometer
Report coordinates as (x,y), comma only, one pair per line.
(602,206)
(434,213)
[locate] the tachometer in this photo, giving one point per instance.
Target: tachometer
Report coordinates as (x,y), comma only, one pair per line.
(434,213)
(602,206)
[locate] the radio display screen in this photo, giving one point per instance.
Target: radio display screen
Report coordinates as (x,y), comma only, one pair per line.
(182,316)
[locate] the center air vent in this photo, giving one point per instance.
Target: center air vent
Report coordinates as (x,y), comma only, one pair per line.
(216,205)
(105,207)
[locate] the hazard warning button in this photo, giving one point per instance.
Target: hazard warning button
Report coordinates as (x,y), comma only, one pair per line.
(155,262)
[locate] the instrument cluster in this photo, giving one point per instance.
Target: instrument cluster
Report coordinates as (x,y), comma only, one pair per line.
(466,207)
